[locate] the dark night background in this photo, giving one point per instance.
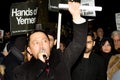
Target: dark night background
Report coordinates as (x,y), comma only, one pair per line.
(105,18)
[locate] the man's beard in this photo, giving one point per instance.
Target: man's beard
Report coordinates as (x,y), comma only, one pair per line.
(88,50)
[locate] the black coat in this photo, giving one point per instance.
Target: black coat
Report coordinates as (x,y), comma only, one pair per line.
(92,68)
(13,59)
(60,64)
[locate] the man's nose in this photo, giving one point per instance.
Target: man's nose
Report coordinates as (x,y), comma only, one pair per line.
(41,45)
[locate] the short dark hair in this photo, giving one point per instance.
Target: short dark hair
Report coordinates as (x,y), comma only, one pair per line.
(90,33)
(34,31)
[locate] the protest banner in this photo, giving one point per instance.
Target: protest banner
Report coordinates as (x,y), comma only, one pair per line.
(1,35)
(117,19)
(23,17)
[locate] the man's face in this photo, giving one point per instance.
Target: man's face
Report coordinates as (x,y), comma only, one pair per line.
(62,47)
(39,41)
(89,44)
(100,32)
(116,39)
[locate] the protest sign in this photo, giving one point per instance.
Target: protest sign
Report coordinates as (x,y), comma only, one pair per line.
(1,35)
(117,19)
(23,17)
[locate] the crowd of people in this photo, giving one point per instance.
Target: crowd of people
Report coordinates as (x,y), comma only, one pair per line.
(88,56)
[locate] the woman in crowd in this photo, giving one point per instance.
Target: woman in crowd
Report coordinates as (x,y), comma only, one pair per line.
(106,50)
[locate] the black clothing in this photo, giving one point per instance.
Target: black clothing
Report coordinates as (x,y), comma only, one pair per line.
(60,64)
(91,68)
(13,59)
(1,77)
(1,57)
(106,57)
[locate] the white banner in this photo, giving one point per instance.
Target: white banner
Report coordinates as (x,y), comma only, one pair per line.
(1,34)
(117,19)
(86,12)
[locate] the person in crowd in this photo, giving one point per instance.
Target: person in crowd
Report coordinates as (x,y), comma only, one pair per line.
(115,35)
(7,36)
(4,43)
(90,65)
(6,39)
(114,62)
(106,50)
(62,46)
(99,37)
(113,65)
(39,67)
(63,43)
(52,37)
(100,33)
(15,56)
(8,45)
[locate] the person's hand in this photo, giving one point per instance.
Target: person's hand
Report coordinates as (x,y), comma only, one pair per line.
(43,56)
(74,9)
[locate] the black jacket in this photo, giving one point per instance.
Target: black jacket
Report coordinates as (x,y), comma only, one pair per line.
(60,64)
(92,68)
(13,59)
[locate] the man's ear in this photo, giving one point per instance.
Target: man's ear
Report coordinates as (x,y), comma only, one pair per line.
(94,43)
(29,50)
(55,42)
